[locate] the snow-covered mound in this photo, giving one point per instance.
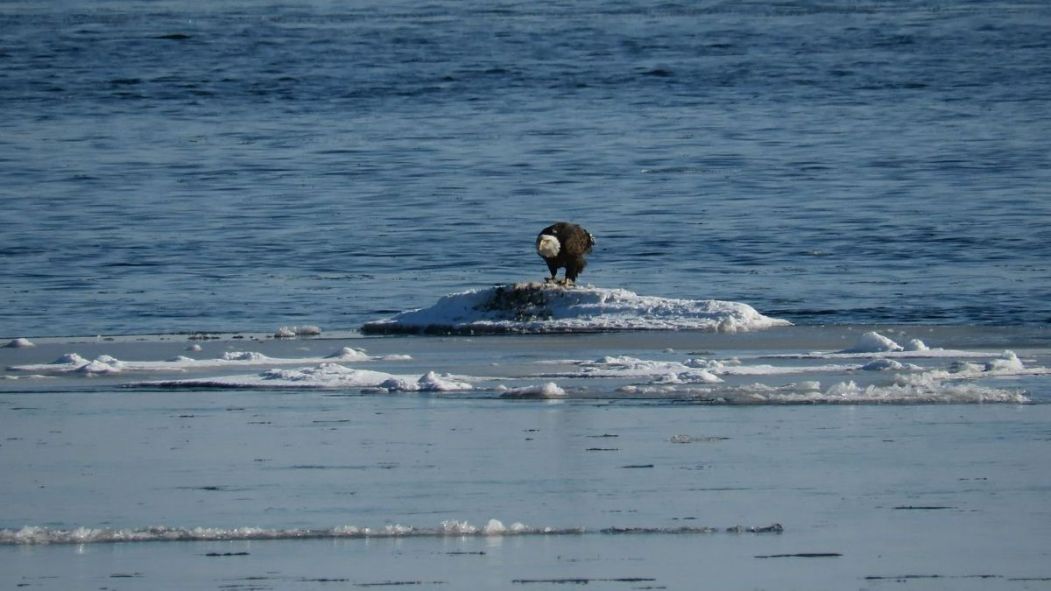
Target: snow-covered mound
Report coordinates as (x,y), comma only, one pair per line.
(541,308)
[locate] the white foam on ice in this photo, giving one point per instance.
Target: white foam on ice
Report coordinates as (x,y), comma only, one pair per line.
(539,308)
(72,363)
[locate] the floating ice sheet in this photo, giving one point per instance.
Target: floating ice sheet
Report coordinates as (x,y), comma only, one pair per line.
(542,308)
(871,345)
(704,380)
(921,391)
(325,375)
(72,363)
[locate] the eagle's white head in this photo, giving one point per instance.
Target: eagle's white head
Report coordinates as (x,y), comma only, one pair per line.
(548,246)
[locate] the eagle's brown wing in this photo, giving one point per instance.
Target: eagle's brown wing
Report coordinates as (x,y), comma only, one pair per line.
(576,241)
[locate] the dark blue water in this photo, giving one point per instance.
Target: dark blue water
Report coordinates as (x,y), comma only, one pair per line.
(183,166)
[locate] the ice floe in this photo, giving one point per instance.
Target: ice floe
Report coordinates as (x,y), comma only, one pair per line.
(324,376)
(693,370)
(540,308)
(872,345)
(917,391)
(1006,365)
(909,383)
(72,363)
(876,369)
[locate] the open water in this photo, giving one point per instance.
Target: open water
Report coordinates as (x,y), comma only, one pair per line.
(179,166)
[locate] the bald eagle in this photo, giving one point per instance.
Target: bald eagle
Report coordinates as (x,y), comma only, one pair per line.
(564,245)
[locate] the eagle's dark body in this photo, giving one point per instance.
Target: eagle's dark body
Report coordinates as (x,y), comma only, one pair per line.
(564,245)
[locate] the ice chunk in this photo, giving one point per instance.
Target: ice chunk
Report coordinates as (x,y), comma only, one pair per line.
(100,367)
(290,332)
(244,356)
(873,342)
(1007,362)
(452,527)
(70,359)
(350,354)
(883,365)
(548,390)
(433,382)
(917,345)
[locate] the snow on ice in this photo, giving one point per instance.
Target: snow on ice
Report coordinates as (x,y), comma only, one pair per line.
(541,308)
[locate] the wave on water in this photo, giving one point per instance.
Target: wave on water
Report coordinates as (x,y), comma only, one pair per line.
(549,308)
(33,535)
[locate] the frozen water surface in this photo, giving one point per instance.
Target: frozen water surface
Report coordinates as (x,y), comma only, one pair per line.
(612,459)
